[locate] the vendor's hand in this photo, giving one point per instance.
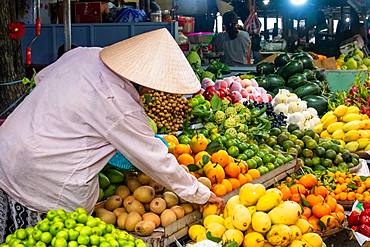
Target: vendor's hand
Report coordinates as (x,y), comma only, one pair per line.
(213,199)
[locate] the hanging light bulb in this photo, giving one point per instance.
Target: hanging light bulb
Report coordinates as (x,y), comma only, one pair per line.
(266,2)
(298,2)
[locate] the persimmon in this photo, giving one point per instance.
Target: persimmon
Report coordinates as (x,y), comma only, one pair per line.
(314,221)
(244,178)
(220,157)
(297,198)
(219,189)
(198,143)
(297,189)
(215,173)
(308,180)
(254,173)
(320,210)
(332,202)
(185,159)
(321,190)
(314,199)
(339,208)
(286,192)
(307,212)
(182,149)
(232,170)
(228,185)
(235,183)
(171,139)
(199,156)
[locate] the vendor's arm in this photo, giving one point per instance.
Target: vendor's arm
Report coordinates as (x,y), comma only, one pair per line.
(364,155)
(133,137)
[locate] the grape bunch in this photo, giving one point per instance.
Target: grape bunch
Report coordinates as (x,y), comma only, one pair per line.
(277,120)
(169,111)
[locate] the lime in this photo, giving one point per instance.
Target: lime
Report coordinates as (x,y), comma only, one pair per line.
(249,153)
(252,164)
(307,153)
(316,161)
(258,160)
(311,144)
(262,153)
(184,139)
(233,151)
(320,151)
(230,143)
(268,158)
(275,131)
(292,151)
(243,157)
(327,162)
(331,154)
(307,161)
(242,146)
(299,143)
(282,138)
(306,139)
(270,166)
(278,148)
(271,141)
(298,134)
(293,138)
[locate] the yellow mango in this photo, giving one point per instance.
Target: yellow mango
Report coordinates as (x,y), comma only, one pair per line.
(331,119)
(363,142)
(342,143)
(367,148)
(353,109)
(318,128)
(366,124)
(338,134)
(352,146)
(351,135)
(351,117)
(335,126)
(354,125)
(328,114)
(364,133)
(325,134)
(364,116)
(340,111)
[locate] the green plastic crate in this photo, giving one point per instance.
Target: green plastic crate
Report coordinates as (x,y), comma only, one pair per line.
(340,80)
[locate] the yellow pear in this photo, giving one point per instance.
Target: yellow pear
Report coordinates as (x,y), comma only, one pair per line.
(261,222)
(241,217)
(250,193)
(312,239)
(253,239)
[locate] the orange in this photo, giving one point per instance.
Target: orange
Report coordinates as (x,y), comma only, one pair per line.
(307,212)
(182,149)
(235,183)
(321,190)
(367,183)
(221,157)
(171,139)
(228,185)
(286,192)
(297,198)
(343,196)
(171,147)
(231,159)
(351,196)
(340,180)
(219,189)
(198,143)
(254,173)
(243,166)
(304,217)
(339,208)
(361,189)
(232,170)
(185,159)
(298,189)
(359,197)
(215,173)
(314,200)
(314,222)
(200,155)
(308,180)
(339,215)
(245,178)
(320,210)
(330,200)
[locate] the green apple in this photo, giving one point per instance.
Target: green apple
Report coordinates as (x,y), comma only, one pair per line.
(46,237)
(96,230)
(43,226)
(56,227)
(130,244)
(94,239)
(30,242)
(62,234)
(8,238)
(105,244)
(53,241)
(51,214)
(29,231)
(57,219)
(72,244)
(86,230)
(40,244)
(91,222)
(78,228)
(109,228)
(36,235)
(81,211)
(82,218)
(131,238)
(73,215)
(73,234)
(21,234)
(83,239)
(123,235)
(108,235)
(14,242)
(103,227)
(19,245)
(113,243)
(122,242)
(61,212)
(82,245)
(366,61)
(70,223)
(60,242)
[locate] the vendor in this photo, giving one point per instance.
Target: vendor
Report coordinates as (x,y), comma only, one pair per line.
(85,107)
(233,43)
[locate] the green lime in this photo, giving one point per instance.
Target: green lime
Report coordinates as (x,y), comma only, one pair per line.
(311,144)
(233,151)
(184,139)
(252,164)
(275,131)
(249,153)
(306,139)
(299,143)
(270,166)
(243,157)
(288,144)
(271,141)
(316,161)
(320,151)
(331,154)
(298,134)
(307,153)
(258,160)
(282,138)
(278,148)
(292,151)
(307,161)
(230,143)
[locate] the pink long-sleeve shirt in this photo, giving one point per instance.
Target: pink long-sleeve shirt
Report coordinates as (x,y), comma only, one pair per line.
(55,143)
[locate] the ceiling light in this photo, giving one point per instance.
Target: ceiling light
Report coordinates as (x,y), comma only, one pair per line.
(347,19)
(266,2)
(298,2)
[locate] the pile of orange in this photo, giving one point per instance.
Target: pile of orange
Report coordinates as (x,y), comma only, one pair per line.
(221,172)
(319,207)
(350,187)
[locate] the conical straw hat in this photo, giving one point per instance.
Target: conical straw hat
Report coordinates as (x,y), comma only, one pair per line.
(153,60)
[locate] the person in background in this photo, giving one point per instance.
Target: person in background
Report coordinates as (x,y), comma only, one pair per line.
(256,47)
(233,43)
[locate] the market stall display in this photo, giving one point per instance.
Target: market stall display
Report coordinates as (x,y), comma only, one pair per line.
(61,229)
(256,217)
(353,60)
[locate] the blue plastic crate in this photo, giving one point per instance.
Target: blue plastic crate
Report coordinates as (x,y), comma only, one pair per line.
(121,162)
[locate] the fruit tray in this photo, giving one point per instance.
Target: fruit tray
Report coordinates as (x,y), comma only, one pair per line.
(346,204)
(272,177)
(331,232)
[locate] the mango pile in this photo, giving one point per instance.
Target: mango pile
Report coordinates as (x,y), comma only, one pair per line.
(348,126)
(255,218)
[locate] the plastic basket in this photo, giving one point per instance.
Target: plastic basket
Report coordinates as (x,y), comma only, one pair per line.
(121,162)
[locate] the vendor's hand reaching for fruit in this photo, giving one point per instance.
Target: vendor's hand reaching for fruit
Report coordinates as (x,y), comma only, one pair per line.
(213,199)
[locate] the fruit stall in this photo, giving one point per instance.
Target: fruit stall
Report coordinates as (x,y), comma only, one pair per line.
(277,145)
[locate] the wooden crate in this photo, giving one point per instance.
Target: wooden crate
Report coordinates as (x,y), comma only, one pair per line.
(271,177)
